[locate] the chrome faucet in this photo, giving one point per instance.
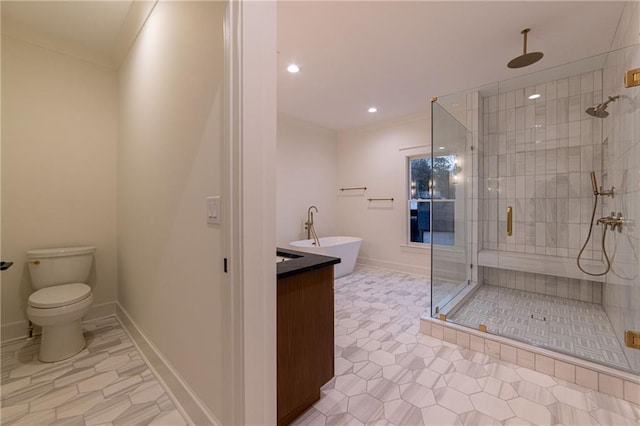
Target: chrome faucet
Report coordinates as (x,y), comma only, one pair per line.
(311,232)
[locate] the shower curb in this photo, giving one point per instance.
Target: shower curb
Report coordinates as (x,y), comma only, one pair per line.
(597,377)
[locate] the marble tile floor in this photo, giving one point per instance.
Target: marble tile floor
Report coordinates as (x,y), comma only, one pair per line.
(107,383)
(569,326)
(387,373)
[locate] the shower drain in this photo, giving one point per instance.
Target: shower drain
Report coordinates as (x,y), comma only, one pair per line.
(538,318)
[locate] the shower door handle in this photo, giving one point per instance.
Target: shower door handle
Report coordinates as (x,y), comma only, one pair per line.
(509,221)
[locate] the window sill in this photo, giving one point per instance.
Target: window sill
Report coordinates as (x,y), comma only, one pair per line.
(422,247)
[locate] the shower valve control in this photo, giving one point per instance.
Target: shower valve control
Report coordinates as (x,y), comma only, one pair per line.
(614,221)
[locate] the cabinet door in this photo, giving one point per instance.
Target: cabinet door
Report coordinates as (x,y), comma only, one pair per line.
(305,340)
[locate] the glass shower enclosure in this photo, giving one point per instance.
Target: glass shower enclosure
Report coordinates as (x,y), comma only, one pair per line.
(525,151)
(450,204)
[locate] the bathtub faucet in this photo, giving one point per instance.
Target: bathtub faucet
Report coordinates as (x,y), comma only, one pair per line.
(311,232)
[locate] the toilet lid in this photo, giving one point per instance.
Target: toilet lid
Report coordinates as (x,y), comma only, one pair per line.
(59,295)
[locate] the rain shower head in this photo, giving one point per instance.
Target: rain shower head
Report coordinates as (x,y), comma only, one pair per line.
(526,58)
(600,110)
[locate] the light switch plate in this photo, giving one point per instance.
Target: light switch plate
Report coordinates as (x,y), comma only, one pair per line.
(213,210)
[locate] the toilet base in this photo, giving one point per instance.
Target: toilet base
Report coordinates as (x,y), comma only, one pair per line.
(59,342)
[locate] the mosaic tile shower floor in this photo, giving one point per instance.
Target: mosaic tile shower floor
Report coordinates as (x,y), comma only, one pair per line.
(387,373)
(107,383)
(569,326)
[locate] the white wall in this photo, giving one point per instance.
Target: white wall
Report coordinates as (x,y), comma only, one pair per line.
(254,167)
(59,133)
(169,160)
(306,176)
(376,157)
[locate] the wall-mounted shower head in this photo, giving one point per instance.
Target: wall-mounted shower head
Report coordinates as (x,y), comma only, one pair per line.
(526,58)
(600,110)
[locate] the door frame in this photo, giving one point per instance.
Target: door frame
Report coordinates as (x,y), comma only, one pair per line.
(250,154)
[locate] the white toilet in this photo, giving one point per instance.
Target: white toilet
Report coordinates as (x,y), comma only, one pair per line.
(61,298)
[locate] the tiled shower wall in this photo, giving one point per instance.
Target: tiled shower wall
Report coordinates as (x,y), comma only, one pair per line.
(568,288)
(537,157)
(621,290)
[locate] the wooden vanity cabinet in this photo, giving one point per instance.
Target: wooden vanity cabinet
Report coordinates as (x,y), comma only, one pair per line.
(305,340)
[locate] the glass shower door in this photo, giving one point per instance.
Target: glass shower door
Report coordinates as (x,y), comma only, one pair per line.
(531,167)
(449,207)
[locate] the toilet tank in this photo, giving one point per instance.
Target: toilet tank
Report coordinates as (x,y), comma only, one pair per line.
(55,266)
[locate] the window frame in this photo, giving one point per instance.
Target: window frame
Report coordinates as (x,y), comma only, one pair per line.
(411,199)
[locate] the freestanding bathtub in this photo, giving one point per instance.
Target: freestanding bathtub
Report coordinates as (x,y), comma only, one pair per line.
(346,248)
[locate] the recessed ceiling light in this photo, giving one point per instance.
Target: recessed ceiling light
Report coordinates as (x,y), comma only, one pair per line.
(293,68)
(373,109)
(441,147)
(534,96)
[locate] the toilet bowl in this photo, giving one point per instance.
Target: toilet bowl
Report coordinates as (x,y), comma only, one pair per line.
(60,300)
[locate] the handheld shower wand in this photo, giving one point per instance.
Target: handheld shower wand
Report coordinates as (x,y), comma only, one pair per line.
(601,192)
(597,192)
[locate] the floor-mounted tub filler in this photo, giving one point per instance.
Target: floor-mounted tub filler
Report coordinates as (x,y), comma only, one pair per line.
(346,248)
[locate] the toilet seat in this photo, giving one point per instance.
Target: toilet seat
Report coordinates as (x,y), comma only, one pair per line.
(59,296)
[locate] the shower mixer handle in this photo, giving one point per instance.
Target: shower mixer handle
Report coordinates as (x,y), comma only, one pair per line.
(614,221)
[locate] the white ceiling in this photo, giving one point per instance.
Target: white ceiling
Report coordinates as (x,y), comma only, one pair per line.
(397,55)
(91,24)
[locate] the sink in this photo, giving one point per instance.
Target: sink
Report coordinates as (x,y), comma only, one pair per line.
(282,256)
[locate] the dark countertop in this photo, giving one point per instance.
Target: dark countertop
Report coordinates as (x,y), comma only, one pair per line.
(301,262)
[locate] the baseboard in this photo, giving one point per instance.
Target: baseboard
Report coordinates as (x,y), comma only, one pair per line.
(399,267)
(192,407)
(14,331)
(20,329)
(100,311)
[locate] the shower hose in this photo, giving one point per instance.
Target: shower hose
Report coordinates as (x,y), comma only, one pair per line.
(607,262)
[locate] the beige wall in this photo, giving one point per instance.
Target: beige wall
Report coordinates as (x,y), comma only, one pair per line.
(59,132)
(170,277)
(376,157)
(306,175)
(313,163)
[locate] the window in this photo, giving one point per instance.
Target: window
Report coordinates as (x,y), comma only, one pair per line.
(432,193)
